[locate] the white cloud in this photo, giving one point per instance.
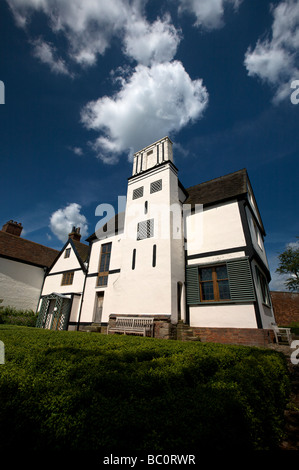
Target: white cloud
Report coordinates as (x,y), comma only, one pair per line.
(76,150)
(275,60)
(63,220)
(149,43)
(208,13)
(153,102)
(46,52)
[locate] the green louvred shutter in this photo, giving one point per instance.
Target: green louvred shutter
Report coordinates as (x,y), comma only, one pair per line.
(240,280)
(192,285)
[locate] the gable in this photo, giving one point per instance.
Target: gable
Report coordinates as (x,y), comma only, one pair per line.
(72,256)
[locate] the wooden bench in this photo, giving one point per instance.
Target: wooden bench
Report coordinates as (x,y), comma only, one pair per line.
(132,325)
(282,334)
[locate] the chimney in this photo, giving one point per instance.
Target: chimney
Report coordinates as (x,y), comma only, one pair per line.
(75,234)
(12,227)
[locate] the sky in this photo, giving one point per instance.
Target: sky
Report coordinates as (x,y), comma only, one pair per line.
(87,84)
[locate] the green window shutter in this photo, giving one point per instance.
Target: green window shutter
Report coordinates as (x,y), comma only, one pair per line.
(192,285)
(240,280)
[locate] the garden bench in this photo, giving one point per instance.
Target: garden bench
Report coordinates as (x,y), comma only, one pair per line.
(132,325)
(282,334)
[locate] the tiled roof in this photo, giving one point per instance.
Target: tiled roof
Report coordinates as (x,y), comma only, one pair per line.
(218,189)
(20,249)
(82,250)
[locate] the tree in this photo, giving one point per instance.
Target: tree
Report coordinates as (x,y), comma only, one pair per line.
(289,264)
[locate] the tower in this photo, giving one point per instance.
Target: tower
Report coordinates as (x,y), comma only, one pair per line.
(152,264)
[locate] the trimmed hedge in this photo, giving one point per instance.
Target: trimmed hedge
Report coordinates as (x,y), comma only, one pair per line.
(64,390)
(13,316)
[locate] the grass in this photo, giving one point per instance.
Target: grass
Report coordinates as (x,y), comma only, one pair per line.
(74,390)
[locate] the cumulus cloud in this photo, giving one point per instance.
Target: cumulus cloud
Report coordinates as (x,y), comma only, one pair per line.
(149,43)
(88,26)
(47,54)
(63,220)
(275,60)
(153,102)
(209,13)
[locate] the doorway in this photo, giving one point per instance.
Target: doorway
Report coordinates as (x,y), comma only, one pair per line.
(98,307)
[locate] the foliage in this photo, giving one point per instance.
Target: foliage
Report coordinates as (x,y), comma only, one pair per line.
(63,390)
(12,316)
(289,264)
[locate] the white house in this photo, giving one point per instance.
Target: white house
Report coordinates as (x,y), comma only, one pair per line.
(23,264)
(62,292)
(192,260)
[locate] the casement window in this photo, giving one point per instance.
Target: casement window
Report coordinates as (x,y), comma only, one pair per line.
(264,289)
(227,282)
(145,229)
(67,278)
(156,186)
(104,264)
(67,253)
(213,284)
(138,192)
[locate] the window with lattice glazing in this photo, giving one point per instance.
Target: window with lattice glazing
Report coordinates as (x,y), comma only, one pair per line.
(104,264)
(145,229)
(67,278)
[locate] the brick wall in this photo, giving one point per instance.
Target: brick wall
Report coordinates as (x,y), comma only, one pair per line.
(286,307)
(242,336)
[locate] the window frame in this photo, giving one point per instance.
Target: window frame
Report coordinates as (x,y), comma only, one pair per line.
(67,252)
(263,288)
(148,229)
(214,280)
(102,277)
(67,278)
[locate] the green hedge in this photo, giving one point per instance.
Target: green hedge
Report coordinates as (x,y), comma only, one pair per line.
(71,390)
(13,316)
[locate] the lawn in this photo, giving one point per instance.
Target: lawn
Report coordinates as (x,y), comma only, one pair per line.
(88,391)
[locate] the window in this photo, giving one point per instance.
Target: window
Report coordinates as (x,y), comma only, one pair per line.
(104,264)
(156,186)
(138,192)
(145,229)
(229,282)
(67,253)
(263,288)
(67,278)
(134,258)
(145,207)
(213,283)
(154,255)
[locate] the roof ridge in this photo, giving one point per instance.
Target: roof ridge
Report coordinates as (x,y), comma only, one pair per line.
(218,178)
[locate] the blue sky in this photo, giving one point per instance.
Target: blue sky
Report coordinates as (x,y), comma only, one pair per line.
(89,83)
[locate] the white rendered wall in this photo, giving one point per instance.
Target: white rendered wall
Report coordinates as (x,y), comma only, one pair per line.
(219,228)
(223,316)
(52,284)
(20,284)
